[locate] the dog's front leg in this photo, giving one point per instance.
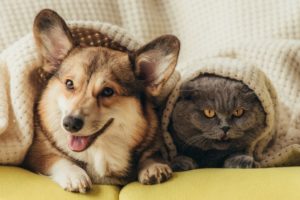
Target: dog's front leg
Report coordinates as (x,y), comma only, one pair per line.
(70,176)
(153,170)
(44,159)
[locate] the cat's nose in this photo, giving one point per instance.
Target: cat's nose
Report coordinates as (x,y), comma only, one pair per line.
(225,129)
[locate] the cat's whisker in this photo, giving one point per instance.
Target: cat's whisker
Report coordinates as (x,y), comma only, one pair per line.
(193,140)
(189,90)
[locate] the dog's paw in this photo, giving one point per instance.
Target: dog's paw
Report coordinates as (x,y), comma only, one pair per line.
(155,173)
(72,178)
(183,163)
(240,161)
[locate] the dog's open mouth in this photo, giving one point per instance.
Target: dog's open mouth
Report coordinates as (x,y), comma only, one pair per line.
(81,143)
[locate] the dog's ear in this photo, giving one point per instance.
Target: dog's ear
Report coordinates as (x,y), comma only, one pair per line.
(52,37)
(155,62)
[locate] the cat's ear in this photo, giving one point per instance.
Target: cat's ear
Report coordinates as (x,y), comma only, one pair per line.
(247,94)
(186,94)
(155,62)
(187,90)
(53,38)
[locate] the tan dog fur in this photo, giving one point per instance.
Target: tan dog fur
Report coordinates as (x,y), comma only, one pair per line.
(126,135)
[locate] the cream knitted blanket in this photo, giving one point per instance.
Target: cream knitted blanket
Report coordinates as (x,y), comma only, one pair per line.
(263,33)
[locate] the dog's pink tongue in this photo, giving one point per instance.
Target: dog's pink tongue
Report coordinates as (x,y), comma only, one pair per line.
(78,143)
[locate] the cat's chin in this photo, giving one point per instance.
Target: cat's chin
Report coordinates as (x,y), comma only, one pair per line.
(221,144)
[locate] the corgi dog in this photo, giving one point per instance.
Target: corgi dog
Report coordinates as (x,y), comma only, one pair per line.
(95,119)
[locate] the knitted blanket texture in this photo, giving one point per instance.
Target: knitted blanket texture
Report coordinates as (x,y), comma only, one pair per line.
(254,41)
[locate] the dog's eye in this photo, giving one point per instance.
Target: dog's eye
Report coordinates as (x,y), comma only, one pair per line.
(69,84)
(107,92)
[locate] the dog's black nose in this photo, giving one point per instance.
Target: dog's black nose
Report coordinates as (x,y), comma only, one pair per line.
(225,129)
(72,124)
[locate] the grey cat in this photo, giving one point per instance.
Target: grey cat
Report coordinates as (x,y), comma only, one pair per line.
(213,122)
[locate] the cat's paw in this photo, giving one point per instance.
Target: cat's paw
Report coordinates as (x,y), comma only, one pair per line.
(72,178)
(183,163)
(155,173)
(240,161)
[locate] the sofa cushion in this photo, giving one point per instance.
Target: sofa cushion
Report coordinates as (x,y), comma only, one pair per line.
(225,184)
(17,183)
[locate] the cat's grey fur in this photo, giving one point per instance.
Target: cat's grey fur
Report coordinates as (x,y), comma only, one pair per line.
(198,138)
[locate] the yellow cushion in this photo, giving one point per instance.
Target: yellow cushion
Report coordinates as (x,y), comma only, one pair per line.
(17,184)
(222,184)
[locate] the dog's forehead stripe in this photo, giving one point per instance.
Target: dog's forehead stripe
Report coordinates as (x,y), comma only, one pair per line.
(93,64)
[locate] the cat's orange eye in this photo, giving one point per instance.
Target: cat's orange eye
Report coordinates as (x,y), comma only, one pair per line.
(238,112)
(209,113)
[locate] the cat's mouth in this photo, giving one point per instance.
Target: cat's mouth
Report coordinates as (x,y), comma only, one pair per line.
(225,138)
